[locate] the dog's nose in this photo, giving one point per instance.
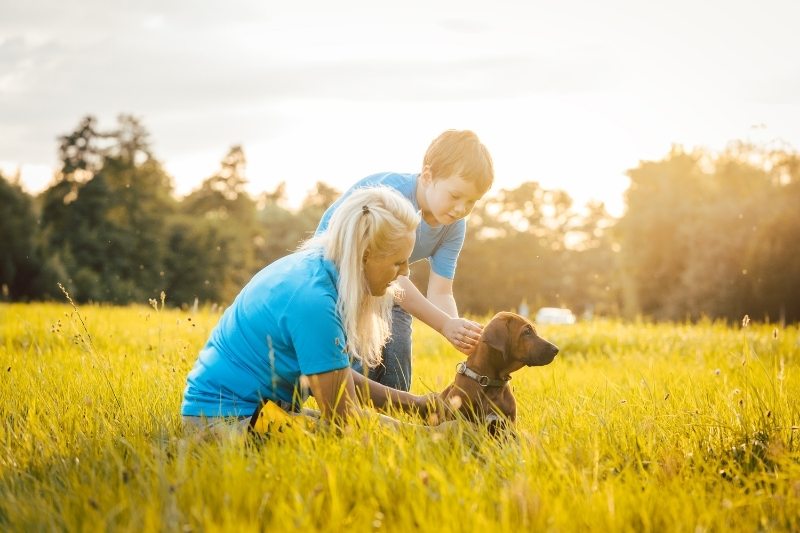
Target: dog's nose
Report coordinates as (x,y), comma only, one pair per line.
(554,349)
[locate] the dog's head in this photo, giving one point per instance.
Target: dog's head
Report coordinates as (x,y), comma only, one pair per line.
(517,341)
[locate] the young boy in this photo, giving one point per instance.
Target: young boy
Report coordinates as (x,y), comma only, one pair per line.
(456,172)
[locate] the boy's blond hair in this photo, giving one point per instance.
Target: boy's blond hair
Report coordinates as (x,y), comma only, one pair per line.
(460,153)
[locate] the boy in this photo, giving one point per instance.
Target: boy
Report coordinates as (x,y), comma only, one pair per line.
(456,172)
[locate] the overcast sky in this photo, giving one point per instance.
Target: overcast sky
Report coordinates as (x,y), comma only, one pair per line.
(569,93)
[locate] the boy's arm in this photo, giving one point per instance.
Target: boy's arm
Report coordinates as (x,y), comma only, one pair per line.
(461,333)
(440,293)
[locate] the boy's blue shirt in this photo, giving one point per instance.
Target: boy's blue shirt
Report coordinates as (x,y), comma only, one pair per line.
(282,324)
(440,245)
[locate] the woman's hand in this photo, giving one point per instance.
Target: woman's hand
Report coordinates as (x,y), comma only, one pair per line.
(430,407)
(463,334)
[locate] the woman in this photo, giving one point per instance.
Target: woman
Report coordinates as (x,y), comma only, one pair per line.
(312,314)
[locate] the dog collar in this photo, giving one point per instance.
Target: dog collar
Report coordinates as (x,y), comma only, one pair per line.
(483,381)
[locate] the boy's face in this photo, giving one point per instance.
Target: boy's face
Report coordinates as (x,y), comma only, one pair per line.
(449,199)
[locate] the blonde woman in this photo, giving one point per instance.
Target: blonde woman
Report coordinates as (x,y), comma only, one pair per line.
(312,313)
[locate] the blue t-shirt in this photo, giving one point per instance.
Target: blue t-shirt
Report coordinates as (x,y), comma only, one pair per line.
(283,324)
(440,245)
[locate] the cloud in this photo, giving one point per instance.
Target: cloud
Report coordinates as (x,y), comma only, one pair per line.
(205,74)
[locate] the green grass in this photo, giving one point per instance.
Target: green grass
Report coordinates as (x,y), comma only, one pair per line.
(634,427)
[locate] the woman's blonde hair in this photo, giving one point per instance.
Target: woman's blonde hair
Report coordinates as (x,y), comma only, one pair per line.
(377,219)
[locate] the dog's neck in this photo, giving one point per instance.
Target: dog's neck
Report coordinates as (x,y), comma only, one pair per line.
(484,361)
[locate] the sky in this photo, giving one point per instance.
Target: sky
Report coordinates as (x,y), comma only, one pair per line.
(570,94)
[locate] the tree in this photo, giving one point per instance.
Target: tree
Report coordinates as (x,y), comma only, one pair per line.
(106,230)
(772,261)
(656,230)
(18,260)
(222,196)
(80,151)
(229,233)
(132,141)
(515,249)
(690,221)
(196,265)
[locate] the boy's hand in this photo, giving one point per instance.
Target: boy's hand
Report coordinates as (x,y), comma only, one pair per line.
(463,334)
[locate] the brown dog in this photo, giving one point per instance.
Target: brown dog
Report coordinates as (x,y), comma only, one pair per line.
(480,391)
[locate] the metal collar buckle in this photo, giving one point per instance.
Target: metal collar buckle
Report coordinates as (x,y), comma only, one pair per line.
(483,381)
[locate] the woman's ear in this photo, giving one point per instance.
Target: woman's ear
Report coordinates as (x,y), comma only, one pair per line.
(365,256)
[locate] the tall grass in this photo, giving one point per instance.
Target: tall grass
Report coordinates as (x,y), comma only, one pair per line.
(634,427)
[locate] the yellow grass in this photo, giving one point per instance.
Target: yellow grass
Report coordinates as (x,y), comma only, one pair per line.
(634,427)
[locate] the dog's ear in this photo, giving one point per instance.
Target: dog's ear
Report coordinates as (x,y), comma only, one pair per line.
(496,334)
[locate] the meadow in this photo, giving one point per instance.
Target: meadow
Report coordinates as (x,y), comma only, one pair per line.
(634,427)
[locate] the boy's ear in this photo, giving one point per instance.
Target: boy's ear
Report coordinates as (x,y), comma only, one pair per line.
(426,175)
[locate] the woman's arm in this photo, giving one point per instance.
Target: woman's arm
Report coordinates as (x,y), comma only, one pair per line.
(339,392)
(335,394)
(382,396)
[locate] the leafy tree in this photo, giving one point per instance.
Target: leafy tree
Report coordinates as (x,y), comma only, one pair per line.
(132,141)
(104,223)
(319,198)
(655,231)
(222,196)
(196,263)
(283,230)
(18,261)
(690,222)
(229,235)
(591,263)
(772,261)
(80,151)
(516,249)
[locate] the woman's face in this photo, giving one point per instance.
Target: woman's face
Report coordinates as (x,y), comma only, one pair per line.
(381,271)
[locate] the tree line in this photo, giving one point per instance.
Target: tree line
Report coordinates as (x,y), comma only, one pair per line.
(703,234)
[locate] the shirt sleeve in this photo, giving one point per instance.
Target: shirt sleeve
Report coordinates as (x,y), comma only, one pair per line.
(316,332)
(326,216)
(399,182)
(444,257)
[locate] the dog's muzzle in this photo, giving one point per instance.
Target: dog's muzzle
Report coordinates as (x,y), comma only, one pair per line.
(544,356)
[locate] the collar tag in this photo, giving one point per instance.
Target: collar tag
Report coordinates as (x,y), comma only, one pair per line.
(483,381)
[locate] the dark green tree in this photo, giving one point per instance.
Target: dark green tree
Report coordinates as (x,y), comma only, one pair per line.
(222,252)
(19,264)
(104,224)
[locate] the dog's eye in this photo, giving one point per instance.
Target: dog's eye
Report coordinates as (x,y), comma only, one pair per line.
(528,331)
